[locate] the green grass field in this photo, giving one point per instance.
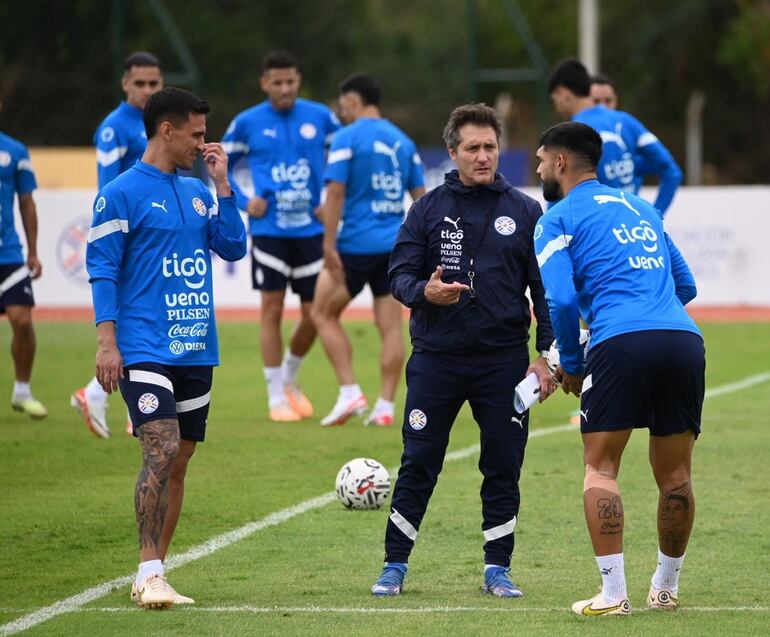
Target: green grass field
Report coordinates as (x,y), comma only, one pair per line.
(66,513)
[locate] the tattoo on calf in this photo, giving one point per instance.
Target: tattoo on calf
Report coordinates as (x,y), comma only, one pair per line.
(160,446)
(675,515)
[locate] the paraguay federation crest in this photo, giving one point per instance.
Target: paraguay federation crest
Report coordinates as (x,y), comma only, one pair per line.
(417,419)
(148,403)
(505,225)
(71,250)
(199,206)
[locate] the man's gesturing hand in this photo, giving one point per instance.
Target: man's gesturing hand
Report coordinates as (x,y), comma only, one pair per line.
(440,293)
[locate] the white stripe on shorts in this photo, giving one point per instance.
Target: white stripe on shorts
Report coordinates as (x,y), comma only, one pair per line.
(496,532)
(308,269)
(403,525)
(274,263)
(151,378)
(193,403)
(17,276)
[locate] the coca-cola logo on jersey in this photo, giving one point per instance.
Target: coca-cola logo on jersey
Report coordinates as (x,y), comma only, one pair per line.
(196,330)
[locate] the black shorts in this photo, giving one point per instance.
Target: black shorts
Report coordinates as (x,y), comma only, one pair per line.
(275,261)
(653,379)
(361,269)
(158,392)
(15,286)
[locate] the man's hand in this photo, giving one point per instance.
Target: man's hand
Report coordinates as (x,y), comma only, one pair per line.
(333,263)
(109,365)
(569,383)
(215,159)
(35,267)
(440,293)
(547,383)
(257,207)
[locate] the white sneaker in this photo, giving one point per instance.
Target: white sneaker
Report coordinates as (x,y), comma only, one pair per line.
(662,599)
(597,606)
(179,599)
(345,409)
(95,416)
(154,592)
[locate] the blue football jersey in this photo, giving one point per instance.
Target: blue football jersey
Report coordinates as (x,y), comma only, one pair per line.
(377,163)
(120,141)
(16,176)
(149,264)
(604,256)
(280,156)
(629,150)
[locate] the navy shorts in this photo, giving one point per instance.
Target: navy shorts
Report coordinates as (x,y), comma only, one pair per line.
(162,392)
(361,269)
(15,286)
(275,261)
(653,379)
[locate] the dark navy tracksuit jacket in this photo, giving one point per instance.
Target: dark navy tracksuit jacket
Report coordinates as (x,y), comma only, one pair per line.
(475,350)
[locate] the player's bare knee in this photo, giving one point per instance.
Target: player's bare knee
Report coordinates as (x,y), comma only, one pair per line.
(603,479)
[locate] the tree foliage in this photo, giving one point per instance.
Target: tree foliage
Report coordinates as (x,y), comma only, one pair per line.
(58,61)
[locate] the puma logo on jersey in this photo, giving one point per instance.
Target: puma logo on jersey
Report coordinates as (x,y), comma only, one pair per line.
(602,199)
(162,205)
(454,223)
(383,149)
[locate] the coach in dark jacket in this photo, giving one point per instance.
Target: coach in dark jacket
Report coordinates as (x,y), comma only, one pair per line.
(462,262)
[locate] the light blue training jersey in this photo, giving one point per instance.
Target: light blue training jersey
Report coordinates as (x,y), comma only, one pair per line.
(377,163)
(149,264)
(604,256)
(16,176)
(280,156)
(120,141)
(626,146)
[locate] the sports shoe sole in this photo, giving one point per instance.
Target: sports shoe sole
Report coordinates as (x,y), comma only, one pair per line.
(82,406)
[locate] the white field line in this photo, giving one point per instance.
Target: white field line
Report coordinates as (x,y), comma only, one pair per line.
(266,610)
(76,602)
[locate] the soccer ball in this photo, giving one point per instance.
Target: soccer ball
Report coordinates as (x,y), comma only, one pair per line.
(553,353)
(363,483)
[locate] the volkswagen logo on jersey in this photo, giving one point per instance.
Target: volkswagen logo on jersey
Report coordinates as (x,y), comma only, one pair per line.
(71,250)
(5,159)
(417,419)
(199,206)
(308,131)
(505,225)
(176,347)
(148,403)
(101,204)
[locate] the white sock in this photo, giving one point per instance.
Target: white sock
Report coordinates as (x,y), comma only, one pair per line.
(147,568)
(349,393)
(613,574)
(667,574)
(22,390)
(488,566)
(95,393)
(384,407)
(274,379)
(290,367)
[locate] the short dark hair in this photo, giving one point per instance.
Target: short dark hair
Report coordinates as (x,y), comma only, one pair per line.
(279,59)
(140,58)
(479,114)
(601,78)
(575,137)
(572,75)
(171,104)
(363,85)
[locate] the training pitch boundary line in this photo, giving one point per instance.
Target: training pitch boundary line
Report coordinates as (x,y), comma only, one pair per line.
(76,602)
(359,610)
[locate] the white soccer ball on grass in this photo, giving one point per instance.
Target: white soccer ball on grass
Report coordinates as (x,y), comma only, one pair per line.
(363,483)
